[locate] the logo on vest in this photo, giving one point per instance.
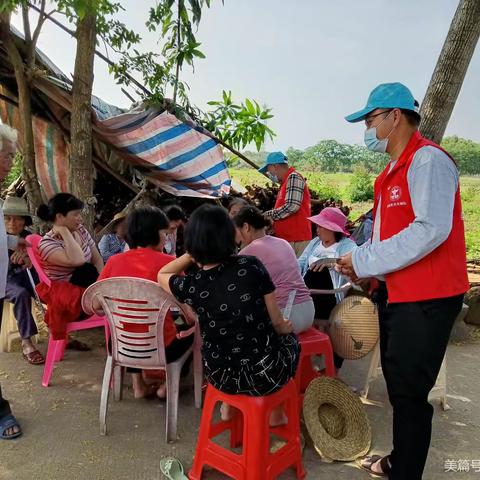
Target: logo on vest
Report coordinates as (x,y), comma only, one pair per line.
(395,193)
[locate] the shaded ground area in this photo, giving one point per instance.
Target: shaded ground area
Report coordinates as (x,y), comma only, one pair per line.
(62,440)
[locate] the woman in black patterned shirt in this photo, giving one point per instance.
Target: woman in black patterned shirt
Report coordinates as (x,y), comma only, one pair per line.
(248,347)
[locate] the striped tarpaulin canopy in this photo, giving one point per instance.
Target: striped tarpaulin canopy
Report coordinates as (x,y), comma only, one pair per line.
(174,155)
(51,157)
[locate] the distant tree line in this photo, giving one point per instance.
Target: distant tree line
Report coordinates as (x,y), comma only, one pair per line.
(332,157)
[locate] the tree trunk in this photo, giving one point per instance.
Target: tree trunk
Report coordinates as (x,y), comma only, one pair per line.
(450,70)
(81,165)
(29,173)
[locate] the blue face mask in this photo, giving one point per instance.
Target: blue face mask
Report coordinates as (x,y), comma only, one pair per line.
(272,177)
(372,142)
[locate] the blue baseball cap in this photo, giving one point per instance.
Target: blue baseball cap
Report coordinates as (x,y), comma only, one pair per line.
(386,95)
(273,158)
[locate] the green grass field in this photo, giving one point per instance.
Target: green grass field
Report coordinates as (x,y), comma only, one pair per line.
(336,184)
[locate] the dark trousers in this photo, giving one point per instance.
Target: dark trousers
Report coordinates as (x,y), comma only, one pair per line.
(4,405)
(324,304)
(413,341)
(19,291)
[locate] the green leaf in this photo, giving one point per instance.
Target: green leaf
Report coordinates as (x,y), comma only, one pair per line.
(250,107)
(198,54)
(265,116)
(196,11)
(81,10)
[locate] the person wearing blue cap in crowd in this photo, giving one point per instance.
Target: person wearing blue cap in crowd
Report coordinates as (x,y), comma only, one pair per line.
(417,253)
(292,207)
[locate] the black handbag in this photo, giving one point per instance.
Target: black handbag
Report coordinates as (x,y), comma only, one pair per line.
(84,275)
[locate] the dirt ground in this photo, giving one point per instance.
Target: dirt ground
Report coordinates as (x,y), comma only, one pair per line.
(61,433)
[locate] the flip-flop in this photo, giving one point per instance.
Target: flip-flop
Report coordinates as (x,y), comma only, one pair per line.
(6,422)
(371,459)
(172,468)
(34,358)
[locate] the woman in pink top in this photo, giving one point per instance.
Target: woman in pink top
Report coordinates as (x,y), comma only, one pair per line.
(281,263)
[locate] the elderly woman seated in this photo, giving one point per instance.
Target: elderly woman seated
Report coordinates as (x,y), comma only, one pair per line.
(114,241)
(332,242)
(19,289)
(147,228)
(69,258)
(68,245)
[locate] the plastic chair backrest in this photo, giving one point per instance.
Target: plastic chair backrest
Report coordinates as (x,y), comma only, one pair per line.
(135,309)
(32,251)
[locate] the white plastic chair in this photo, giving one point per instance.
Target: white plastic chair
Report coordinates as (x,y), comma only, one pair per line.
(136,309)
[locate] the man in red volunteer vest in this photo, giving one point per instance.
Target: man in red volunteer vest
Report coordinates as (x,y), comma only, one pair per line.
(292,208)
(417,251)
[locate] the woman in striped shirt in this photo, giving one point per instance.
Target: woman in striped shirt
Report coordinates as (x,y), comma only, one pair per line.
(68,244)
(70,259)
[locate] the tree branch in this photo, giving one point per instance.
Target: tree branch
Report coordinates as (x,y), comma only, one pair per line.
(26,24)
(28,42)
(41,19)
(177,70)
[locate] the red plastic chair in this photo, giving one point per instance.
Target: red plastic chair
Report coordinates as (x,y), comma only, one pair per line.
(250,429)
(56,348)
(136,309)
(314,343)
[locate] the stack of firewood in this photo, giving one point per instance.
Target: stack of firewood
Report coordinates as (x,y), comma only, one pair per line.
(112,197)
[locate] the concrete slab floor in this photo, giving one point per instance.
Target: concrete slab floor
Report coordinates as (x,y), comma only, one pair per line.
(61,433)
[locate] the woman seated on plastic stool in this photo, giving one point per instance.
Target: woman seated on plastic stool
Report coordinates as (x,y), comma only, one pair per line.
(332,242)
(19,289)
(147,228)
(248,347)
(280,261)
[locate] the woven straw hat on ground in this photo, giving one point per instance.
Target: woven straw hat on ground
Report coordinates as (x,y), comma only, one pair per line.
(353,327)
(336,420)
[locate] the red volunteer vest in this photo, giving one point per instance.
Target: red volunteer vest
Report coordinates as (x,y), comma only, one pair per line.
(443,272)
(296,227)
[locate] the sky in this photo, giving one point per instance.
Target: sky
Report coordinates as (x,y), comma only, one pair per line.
(311,61)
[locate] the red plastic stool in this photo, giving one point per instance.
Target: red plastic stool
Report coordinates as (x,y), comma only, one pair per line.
(313,343)
(252,430)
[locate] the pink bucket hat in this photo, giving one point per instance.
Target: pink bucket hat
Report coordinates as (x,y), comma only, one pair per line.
(331,218)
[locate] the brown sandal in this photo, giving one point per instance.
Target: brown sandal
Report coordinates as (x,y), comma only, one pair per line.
(370,460)
(34,358)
